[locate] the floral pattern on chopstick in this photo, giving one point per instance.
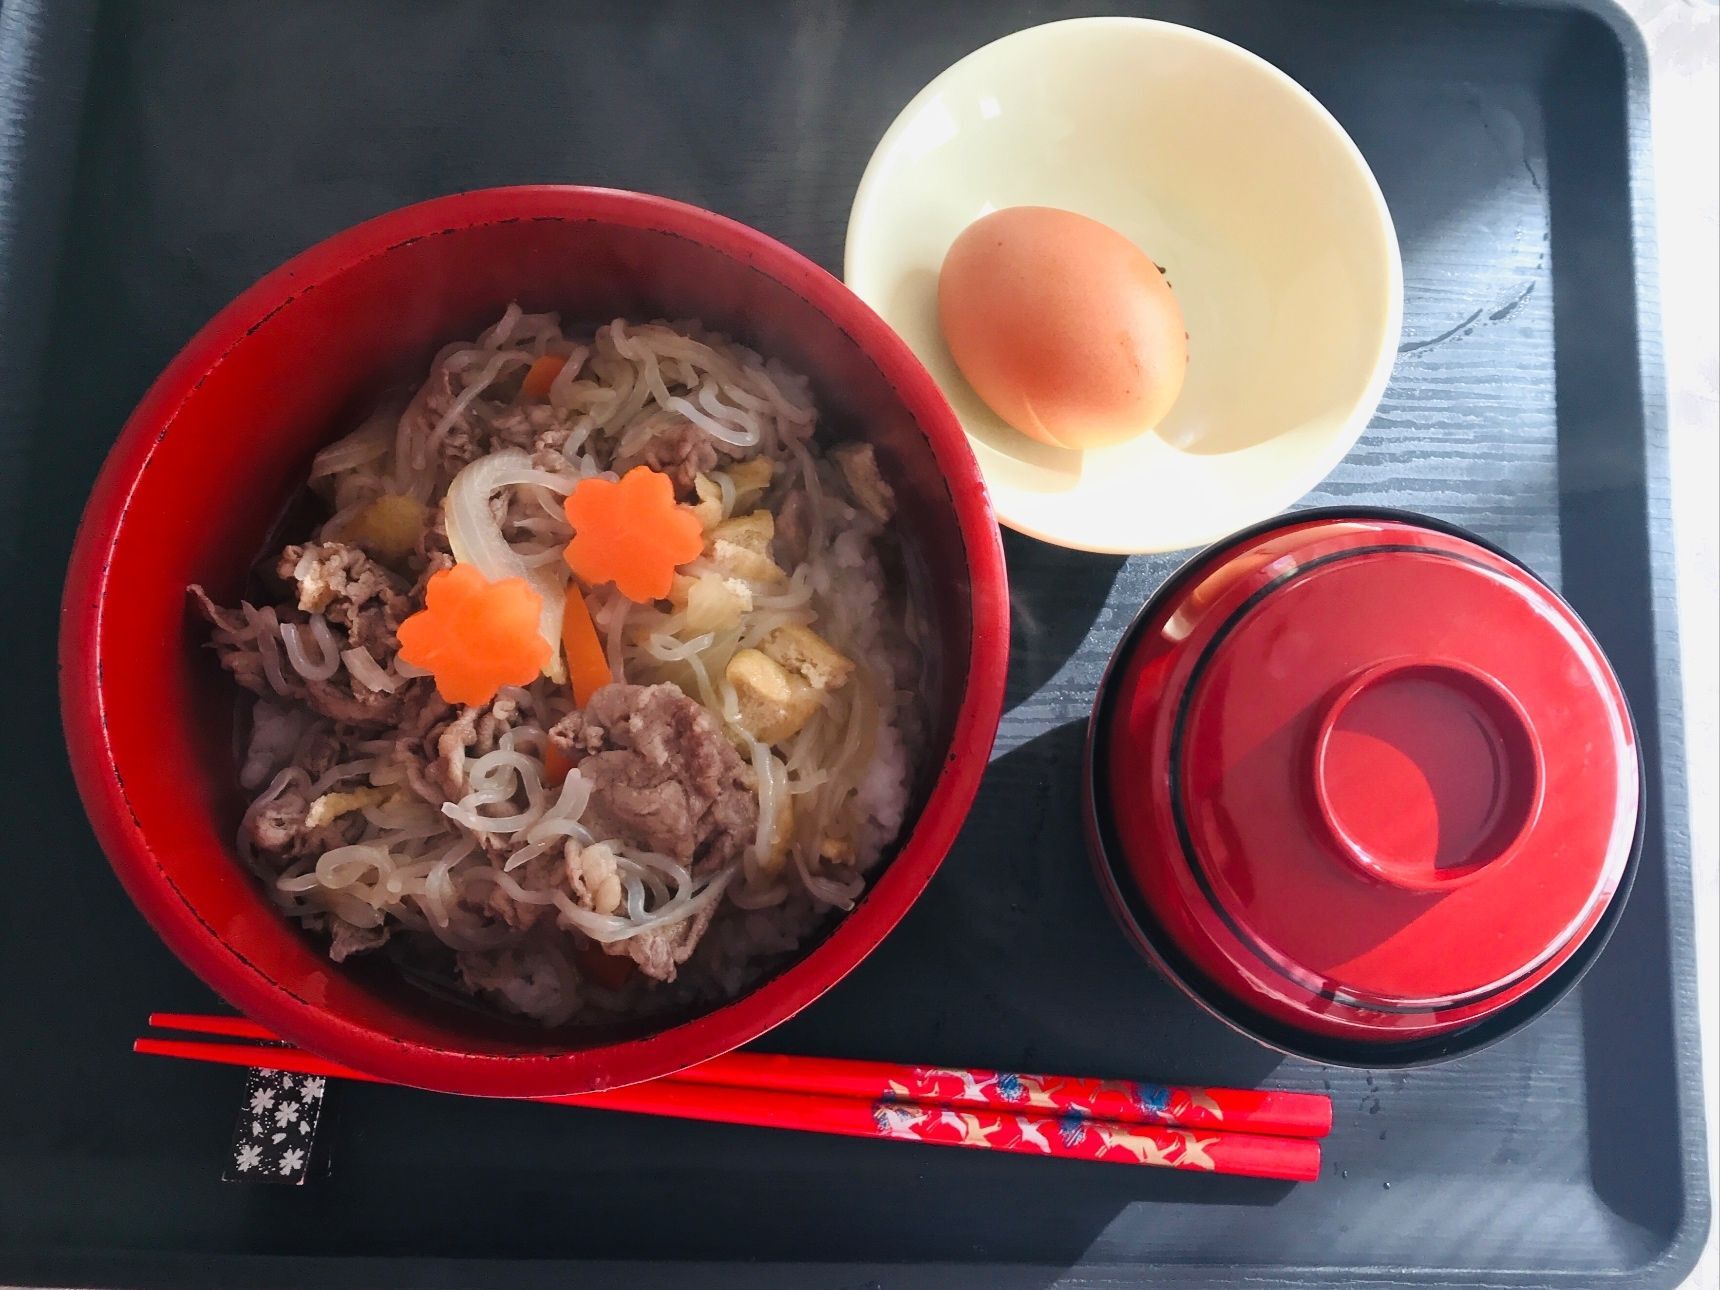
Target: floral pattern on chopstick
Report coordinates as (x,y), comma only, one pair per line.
(1110,1099)
(1072,1134)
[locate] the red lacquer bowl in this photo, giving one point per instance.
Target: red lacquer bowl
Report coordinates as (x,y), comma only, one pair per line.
(226,435)
(1364,786)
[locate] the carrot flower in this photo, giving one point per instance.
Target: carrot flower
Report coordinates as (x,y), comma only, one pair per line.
(475,636)
(631,532)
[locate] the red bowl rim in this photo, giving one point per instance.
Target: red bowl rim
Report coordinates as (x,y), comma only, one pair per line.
(892,893)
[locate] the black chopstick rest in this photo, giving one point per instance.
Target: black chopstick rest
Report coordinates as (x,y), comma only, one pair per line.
(274,1139)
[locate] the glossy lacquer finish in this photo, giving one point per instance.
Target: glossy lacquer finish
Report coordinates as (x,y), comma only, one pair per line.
(1371,779)
(224,437)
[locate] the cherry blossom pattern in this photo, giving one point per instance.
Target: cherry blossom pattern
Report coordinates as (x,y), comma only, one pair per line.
(274,1139)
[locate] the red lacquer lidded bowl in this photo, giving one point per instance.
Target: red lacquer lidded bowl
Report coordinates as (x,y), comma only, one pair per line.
(1364,786)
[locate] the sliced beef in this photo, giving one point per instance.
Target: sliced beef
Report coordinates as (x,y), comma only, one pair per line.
(230,622)
(433,551)
(240,652)
(335,577)
(351,590)
(866,484)
(463,441)
(438,743)
(521,425)
(490,421)
(660,952)
(432,564)
(793,533)
(415,746)
(547,456)
(280,831)
(347,939)
(366,602)
(541,873)
(357,705)
(551,445)
(663,775)
(680,452)
(363,601)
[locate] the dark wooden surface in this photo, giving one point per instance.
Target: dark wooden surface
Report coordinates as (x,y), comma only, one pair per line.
(208,142)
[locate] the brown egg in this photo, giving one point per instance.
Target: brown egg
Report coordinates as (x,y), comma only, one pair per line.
(1062,325)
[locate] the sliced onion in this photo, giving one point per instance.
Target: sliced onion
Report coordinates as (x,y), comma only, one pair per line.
(498,335)
(367,672)
(364,444)
(476,539)
(764,774)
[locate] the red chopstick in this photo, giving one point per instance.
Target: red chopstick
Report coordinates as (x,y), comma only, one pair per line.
(1297,1115)
(1293,1115)
(1072,1136)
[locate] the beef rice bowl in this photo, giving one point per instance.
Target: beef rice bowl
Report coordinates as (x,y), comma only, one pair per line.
(589,689)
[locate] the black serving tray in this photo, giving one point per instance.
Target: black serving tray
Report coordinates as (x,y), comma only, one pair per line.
(156,158)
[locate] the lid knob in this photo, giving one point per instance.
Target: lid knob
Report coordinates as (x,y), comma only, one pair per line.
(1425,773)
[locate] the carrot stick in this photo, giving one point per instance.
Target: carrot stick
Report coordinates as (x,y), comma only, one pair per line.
(556,764)
(541,375)
(587,664)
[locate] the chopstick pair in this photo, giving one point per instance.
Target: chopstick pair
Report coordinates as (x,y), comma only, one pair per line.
(1224,1131)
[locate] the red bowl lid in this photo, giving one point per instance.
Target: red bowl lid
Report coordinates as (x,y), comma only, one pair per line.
(1373,778)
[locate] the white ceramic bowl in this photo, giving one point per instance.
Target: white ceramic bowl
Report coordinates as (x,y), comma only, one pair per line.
(1230,175)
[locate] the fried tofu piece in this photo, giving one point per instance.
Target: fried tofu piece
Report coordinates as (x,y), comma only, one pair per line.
(331,806)
(859,465)
(774,702)
(802,650)
(388,529)
(751,532)
(835,850)
(751,477)
(738,562)
(740,548)
(709,507)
